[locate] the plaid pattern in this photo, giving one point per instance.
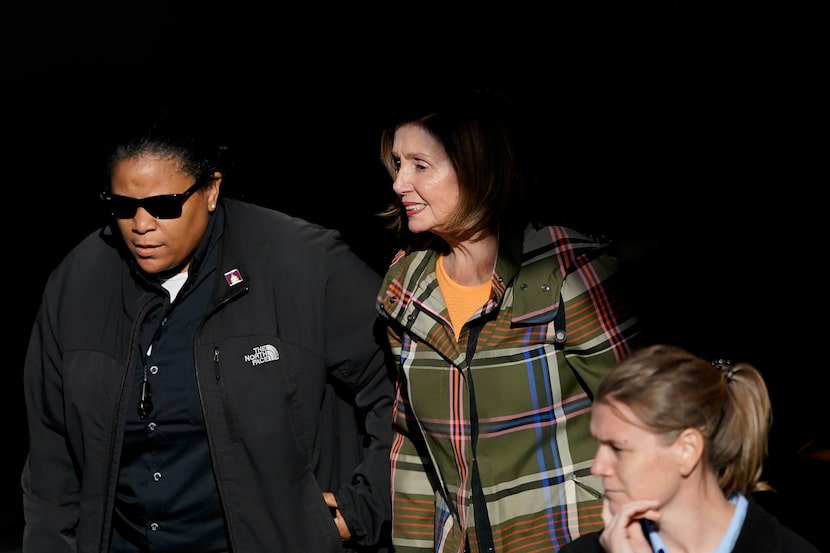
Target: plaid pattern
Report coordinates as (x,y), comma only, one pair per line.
(534,447)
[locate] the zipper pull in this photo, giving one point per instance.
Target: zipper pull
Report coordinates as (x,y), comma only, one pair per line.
(145,404)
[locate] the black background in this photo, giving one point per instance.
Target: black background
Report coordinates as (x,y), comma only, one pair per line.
(687,132)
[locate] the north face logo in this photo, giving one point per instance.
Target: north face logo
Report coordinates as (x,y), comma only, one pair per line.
(263,354)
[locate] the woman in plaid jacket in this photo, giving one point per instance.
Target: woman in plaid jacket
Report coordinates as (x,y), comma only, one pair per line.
(501,328)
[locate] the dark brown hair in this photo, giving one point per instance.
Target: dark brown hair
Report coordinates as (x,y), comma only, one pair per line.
(480,133)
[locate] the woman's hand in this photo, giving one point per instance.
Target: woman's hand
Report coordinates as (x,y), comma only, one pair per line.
(342,527)
(623,532)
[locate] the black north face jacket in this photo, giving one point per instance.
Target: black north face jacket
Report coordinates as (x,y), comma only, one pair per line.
(281,431)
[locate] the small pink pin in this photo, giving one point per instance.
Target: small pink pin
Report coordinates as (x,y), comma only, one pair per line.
(233,277)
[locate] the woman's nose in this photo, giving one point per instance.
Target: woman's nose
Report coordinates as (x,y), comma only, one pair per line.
(599,467)
(143,221)
(399,185)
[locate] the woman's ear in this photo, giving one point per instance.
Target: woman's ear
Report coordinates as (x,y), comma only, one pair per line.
(690,445)
(213,189)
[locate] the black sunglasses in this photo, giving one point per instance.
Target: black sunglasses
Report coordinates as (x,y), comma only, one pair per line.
(164,206)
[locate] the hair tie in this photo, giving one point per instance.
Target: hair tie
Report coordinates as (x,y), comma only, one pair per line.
(725,367)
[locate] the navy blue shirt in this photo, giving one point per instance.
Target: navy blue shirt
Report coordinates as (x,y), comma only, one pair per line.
(167,499)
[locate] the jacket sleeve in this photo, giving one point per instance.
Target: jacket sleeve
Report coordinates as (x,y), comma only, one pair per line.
(358,361)
(601,321)
(49,481)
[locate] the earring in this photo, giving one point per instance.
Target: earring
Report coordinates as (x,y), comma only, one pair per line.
(213,206)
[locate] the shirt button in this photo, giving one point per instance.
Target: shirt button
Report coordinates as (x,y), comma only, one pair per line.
(156,476)
(154,526)
(151,427)
(154,369)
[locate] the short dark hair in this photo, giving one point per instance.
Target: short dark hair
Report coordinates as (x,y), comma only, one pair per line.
(189,135)
(481,136)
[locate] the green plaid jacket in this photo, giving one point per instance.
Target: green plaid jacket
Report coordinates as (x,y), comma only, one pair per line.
(533,395)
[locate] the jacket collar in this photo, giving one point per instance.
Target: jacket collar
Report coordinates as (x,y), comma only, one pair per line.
(523,259)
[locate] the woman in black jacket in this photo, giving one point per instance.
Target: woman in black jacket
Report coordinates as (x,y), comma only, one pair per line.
(681,447)
(203,374)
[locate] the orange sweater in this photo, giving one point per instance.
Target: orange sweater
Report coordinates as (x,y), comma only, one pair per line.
(462,301)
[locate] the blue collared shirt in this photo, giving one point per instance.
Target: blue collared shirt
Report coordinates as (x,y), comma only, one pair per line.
(727,543)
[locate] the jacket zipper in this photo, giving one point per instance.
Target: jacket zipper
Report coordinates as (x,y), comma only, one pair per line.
(217,372)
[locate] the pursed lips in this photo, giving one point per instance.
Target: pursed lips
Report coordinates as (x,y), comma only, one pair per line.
(144,248)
